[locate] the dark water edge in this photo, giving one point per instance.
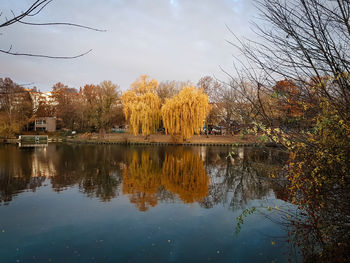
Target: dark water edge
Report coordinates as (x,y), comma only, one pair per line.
(114,203)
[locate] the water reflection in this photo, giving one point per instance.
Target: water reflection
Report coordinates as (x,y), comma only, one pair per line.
(19,172)
(183,173)
(147,175)
(249,175)
(142,180)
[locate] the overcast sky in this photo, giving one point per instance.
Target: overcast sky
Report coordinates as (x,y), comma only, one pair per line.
(166,39)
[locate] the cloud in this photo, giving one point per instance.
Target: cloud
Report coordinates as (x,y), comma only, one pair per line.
(175,39)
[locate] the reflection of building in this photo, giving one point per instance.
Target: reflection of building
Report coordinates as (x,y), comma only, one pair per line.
(47,124)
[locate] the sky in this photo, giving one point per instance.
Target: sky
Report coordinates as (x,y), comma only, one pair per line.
(165,39)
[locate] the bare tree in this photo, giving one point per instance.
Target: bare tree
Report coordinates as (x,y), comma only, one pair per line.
(169,88)
(228,105)
(306,41)
(24,18)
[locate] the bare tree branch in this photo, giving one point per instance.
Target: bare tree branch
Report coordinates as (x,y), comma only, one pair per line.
(43,56)
(32,11)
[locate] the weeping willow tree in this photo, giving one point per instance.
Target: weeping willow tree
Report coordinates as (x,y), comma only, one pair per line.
(183,115)
(183,173)
(142,106)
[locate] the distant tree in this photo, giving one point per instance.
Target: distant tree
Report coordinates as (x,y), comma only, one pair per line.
(141,106)
(210,86)
(184,114)
(101,107)
(44,107)
(88,111)
(108,110)
(301,41)
(168,89)
(227,104)
(66,102)
(144,84)
(16,108)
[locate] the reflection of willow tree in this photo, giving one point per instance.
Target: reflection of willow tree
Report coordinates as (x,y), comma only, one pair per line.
(183,173)
(16,172)
(141,180)
(246,177)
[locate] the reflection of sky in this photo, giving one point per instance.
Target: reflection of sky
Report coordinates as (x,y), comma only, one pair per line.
(44,227)
(175,39)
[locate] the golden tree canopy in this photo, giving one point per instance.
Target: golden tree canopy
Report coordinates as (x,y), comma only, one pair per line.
(144,84)
(142,106)
(184,114)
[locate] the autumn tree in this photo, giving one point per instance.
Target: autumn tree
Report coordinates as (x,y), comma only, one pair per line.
(210,86)
(66,104)
(184,114)
(101,106)
(168,89)
(287,102)
(142,106)
(16,108)
(228,105)
(301,41)
(44,106)
(109,104)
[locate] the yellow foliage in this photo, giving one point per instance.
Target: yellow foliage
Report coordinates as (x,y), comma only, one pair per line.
(184,174)
(142,106)
(141,179)
(184,114)
(144,85)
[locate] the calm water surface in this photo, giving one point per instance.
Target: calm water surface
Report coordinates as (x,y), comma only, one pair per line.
(97,203)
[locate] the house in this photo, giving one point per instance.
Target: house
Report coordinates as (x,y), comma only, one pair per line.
(47,124)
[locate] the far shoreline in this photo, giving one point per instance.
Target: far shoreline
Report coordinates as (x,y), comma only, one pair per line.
(156,139)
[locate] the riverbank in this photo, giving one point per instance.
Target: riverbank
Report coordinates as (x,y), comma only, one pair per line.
(161,139)
(157,139)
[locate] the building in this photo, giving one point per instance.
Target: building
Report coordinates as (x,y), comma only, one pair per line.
(47,124)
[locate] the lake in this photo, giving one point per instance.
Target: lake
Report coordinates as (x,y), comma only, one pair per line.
(114,203)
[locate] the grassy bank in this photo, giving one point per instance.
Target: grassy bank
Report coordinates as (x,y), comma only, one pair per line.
(126,138)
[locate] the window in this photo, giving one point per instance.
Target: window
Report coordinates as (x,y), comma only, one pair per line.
(39,122)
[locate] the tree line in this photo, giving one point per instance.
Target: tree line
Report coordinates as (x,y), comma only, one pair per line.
(180,108)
